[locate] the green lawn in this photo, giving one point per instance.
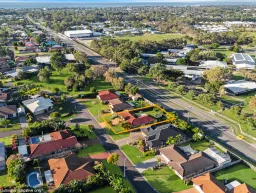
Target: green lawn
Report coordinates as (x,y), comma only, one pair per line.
(116,137)
(95,107)
(224,50)
(135,155)
(107,189)
(116,170)
(154,37)
(6,140)
(200,145)
(93,149)
(239,172)
(164,180)
(66,110)
(15,125)
(4,179)
(85,130)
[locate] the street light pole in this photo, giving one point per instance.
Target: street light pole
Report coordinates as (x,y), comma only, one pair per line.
(124,165)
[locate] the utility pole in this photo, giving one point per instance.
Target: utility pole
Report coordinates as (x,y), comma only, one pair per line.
(124,165)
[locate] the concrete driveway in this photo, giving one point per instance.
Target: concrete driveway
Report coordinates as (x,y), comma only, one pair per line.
(134,136)
(141,167)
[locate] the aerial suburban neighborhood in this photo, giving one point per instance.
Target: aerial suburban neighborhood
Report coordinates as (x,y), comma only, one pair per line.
(135,97)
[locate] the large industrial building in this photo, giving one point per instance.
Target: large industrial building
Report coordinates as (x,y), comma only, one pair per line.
(79,33)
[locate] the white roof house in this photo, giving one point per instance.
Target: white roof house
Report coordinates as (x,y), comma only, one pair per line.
(46,59)
(220,158)
(38,105)
(78,33)
(28,69)
(240,87)
(212,63)
(243,61)
(2,156)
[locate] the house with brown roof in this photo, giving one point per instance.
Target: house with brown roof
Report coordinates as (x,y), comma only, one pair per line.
(70,168)
(207,183)
(41,150)
(136,122)
(186,166)
(116,105)
(8,112)
(105,96)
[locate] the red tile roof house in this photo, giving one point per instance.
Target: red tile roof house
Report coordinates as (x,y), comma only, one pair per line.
(137,122)
(70,168)
(55,147)
(105,96)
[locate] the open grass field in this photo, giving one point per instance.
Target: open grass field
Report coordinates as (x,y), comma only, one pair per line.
(152,37)
(4,179)
(135,155)
(95,107)
(114,169)
(164,180)
(239,172)
(90,150)
(57,81)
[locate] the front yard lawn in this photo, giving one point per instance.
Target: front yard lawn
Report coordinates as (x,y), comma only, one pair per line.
(114,169)
(134,154)
(4,179)
(6,140)
(164,180)
(90,150)
(95,107)
(239,172)
(15,125)
(116,137)
(84,129)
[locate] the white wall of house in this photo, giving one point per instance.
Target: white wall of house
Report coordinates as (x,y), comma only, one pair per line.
(198,188)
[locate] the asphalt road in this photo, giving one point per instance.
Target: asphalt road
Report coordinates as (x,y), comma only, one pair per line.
(213,127)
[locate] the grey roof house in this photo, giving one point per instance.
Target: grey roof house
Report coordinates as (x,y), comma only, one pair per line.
(157,136)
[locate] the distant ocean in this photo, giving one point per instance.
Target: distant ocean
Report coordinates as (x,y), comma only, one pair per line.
(24,5)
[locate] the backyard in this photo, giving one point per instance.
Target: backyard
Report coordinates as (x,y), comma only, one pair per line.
(164,180)
(152,37)
(239,172)
(90,150)
(134,154)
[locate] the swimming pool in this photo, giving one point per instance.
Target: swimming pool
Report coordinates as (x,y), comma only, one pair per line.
(34,179)
(34,140)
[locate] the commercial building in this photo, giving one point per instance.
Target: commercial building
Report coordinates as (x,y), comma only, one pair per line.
(240,87)
(78,33)
(243,61)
